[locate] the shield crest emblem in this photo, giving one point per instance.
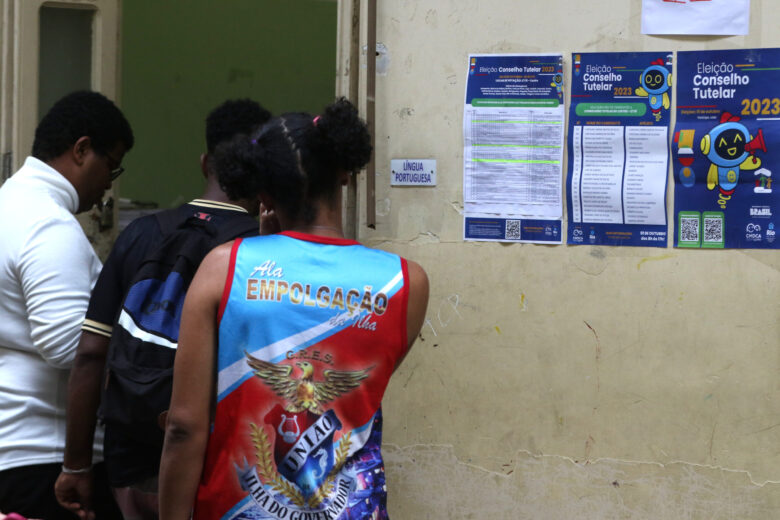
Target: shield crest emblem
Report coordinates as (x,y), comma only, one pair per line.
(288,428)
(303,449)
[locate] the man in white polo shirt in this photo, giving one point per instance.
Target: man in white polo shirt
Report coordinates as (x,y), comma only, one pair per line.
(47,270)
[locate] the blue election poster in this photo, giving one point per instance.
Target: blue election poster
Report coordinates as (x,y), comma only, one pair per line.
(513,125)
(726,145)
(618,148)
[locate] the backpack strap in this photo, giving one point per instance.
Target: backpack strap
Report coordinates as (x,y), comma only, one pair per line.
(168,221)
(229,229)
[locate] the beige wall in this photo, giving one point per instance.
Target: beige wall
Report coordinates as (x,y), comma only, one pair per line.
(564,382)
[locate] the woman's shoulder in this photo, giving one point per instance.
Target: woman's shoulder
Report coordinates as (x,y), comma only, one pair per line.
(418,279)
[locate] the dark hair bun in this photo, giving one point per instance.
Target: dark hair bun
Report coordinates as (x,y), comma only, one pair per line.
(238,164)
(347,134)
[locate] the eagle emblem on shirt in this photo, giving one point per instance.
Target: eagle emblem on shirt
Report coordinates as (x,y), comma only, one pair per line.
(304,392)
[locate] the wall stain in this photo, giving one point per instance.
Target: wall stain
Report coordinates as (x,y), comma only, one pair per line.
(589,442)
(597,252)
(523,306)
(408,63)
(592,262)
(598,355)
(653,258)
(431,18)
(411,373)
(712,438)
(404,112)
(383,207)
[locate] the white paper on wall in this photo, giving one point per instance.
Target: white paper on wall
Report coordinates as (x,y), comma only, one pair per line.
(719,17)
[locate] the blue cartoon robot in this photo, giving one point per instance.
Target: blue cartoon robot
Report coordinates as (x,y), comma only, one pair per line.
(656,80)
(730,148)
(557,82)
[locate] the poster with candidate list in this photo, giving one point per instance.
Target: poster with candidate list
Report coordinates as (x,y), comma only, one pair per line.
(618,148)
(726,149)
(513,125)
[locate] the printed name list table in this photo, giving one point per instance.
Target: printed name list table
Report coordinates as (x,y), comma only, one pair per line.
(513,126)
(618,155)
(512,171)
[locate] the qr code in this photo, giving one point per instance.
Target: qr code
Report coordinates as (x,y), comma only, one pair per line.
(689,229)
(713,229)
(512,230)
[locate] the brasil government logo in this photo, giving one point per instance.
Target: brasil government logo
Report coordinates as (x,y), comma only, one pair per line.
(299,473)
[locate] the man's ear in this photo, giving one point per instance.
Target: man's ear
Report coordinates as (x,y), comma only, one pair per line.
(344,177)
(204,161)
(80,149)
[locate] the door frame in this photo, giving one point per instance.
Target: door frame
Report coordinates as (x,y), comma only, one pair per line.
(20,60)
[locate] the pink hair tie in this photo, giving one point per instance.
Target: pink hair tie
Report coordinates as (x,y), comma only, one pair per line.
(315,120)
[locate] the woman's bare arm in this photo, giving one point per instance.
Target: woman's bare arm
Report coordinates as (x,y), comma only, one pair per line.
(187,428)
(417,305)
(418,301)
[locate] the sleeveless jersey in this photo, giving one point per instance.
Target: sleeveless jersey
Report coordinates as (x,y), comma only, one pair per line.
(310,331)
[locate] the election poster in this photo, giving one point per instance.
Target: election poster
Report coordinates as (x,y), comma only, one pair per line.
(726,149)
(513,126)
(618,148)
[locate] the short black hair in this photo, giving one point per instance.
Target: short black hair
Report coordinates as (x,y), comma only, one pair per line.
(80,114)
(234,116)
(295,158)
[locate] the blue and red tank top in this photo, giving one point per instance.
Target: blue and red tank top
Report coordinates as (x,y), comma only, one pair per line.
(310,331)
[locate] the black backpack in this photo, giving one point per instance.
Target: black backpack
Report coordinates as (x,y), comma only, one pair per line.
(139,365)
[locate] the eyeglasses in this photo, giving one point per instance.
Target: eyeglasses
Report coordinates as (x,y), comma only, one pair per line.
(115,172)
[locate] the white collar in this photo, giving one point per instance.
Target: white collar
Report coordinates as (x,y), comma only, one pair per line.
(37,173)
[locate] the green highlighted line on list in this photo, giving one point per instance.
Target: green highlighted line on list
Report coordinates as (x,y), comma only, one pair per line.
(519,145)
(514,122)
(515,103)
(517,161)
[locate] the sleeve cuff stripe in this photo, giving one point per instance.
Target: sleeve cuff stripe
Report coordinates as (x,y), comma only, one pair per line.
(97,328)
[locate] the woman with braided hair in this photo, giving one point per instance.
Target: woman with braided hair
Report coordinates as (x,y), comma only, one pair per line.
(288,341)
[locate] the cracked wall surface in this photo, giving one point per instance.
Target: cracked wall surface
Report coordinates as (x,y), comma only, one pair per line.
(564,382)
(557,488)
